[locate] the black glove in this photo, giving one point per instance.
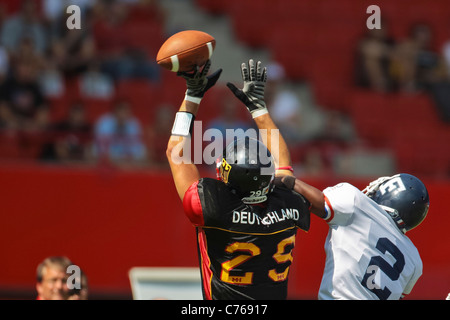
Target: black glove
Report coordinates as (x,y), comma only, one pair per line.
(198,82)
(285,181)
(252,94)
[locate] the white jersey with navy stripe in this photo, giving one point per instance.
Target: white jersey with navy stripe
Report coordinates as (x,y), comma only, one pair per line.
(367,256)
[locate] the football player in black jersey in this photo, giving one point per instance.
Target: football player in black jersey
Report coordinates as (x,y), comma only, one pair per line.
(246,222)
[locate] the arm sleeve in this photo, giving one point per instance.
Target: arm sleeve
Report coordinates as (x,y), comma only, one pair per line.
(192,205)
(417,273)
(339,203)
(305,216)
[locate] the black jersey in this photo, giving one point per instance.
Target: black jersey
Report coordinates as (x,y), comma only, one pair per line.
(245,250)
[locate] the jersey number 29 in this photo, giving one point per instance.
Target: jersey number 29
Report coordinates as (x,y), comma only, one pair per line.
(250,251)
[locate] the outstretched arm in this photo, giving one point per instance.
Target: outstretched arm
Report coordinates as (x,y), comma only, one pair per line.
(276,144)
(184,172)
(252,95)
(312,194)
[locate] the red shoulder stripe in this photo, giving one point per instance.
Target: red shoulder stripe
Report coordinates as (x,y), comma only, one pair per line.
(192,205)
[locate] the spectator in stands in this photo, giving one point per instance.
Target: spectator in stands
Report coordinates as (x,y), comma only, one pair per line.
(51,80)
(27,53)
(336,130)
(374,54)
(4,63)
(312,163)
(95,84)
(118,136)
(22,104)
(51,278)
(421,68)
(54,12)
(446,55)
(72,49)
(70,139)
(415,63)
(335,138)
(157,133)
(440,90)
(26,23)
(284,104)
(4,68)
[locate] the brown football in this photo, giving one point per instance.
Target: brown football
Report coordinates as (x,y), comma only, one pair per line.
(185,50)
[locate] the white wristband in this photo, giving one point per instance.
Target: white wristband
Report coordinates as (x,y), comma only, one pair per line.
(183,124)
(259,112)
(192,99)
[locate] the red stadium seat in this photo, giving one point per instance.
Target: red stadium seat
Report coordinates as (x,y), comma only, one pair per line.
(417,108)
(337,12)
(294,52)
(95,108)
(58,107)
(143,96)
(421,153)
(332,77)
(30,144)
(145,35)
(252,28)
(370,112)
(299,11)
(214,6)
(9,145)
(407,124)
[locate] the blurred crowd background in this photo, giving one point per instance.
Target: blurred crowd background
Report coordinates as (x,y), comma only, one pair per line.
(349,100)
(64,93)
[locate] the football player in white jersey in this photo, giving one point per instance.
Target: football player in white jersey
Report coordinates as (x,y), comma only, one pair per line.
(368,255)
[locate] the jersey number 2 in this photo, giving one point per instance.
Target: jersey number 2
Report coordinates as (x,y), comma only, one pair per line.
(378,263)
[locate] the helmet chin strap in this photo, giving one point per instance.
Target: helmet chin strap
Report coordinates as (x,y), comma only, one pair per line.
(254,200)
(396,217)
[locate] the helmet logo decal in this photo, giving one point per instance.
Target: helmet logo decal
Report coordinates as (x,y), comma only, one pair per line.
(392,184)
(225,169)
(257,196)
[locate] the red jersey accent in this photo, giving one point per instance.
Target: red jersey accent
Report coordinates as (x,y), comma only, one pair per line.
(205,264)
(192,205)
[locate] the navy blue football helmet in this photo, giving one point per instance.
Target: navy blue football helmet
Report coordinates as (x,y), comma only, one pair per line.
(403,196)
(247,168)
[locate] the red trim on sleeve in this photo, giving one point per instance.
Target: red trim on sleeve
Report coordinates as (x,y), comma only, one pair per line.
(331,209)
(192,205)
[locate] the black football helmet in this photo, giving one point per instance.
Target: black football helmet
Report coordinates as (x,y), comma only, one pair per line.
(403,196)
(247,168)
